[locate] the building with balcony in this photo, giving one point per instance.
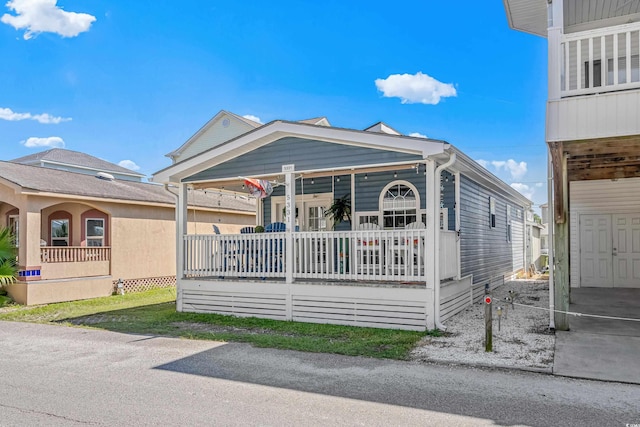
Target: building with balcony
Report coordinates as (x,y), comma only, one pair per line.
(593,137)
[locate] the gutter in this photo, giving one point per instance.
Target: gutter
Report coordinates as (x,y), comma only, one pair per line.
(436,249)
(550,243)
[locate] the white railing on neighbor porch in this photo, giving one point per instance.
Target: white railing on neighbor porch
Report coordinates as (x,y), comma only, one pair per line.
(602,60)
(51,254)
(380,255)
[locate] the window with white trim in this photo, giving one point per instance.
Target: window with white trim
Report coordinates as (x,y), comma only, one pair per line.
(94,231)
(400,205)
(59,232)
(492,212)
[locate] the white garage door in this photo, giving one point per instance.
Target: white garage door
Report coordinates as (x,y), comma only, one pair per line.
(610,250)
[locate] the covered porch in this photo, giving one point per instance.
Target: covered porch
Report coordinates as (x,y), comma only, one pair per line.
(383,263)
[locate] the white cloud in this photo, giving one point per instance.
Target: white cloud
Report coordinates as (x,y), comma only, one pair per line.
(517,170)
(44,16)
(252,117)
(415,88)
(483,163)
(418,135)
(45,118)
(129,164)
(51,141)
(524,189)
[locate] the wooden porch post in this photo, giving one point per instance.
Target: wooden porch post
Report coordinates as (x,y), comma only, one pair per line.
(430,257)
(561,235)
(181,231)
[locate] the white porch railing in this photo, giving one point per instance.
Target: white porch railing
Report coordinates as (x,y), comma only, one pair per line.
(602,60)
(380,255)
(51,254)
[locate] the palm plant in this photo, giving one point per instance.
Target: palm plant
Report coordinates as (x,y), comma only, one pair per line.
(8,268)
(340,210)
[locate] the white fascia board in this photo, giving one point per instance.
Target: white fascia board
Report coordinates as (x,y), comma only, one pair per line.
(480,174)
(279,129)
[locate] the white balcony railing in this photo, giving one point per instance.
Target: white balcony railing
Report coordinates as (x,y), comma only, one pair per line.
(380,255)
(56,254)
(602,60)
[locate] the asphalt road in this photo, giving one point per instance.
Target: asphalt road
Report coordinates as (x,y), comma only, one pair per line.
(58,376)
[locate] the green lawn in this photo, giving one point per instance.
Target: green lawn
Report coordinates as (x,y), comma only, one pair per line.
(153,313)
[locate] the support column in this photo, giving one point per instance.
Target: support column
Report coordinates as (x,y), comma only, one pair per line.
(554,51)
(290,213)
(181,231)
(561,244)
(432,229)
(29,262)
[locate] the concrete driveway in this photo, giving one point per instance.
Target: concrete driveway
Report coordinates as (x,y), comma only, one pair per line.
(602,349)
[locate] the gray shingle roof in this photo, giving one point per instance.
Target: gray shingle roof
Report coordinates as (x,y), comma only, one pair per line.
(71,183)
(74,158)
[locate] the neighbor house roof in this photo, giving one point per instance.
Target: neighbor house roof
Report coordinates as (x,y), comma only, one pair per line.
(53,181)
(60,156)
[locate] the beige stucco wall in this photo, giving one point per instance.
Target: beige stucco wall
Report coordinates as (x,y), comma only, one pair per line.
(142,240)
(46,292)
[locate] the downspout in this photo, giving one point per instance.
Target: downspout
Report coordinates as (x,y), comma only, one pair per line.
(436,249)
(552,301)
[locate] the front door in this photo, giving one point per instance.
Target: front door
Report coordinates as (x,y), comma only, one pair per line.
(626,250)
(610,250)
(596,257)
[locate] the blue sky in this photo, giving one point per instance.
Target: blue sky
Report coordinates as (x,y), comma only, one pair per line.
(133,80)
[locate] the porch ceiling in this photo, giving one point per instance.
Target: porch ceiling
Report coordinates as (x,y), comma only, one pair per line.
(603,159)
(530,16)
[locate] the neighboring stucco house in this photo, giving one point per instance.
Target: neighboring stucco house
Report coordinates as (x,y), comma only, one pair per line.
(427,224)
(593,136)
(79,229)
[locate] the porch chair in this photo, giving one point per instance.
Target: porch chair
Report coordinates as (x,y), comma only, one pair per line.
(275,227)
(275,247)
(368,250)
(418,261)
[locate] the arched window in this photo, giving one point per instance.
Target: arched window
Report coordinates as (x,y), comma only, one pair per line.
(399,205)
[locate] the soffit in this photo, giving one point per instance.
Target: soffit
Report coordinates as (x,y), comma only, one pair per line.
(603,159)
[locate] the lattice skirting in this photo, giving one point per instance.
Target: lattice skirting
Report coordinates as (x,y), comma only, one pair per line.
(146,284)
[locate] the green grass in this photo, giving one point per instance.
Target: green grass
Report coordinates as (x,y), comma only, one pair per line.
(153,313)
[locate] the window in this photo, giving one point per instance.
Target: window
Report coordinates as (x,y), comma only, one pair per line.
(95,231)
(492,212)
(14,226)
(399,206)
(59,232)
(368,218)
(622,71)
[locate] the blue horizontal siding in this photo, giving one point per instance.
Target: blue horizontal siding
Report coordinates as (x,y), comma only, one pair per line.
(484,251)
(305,154)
